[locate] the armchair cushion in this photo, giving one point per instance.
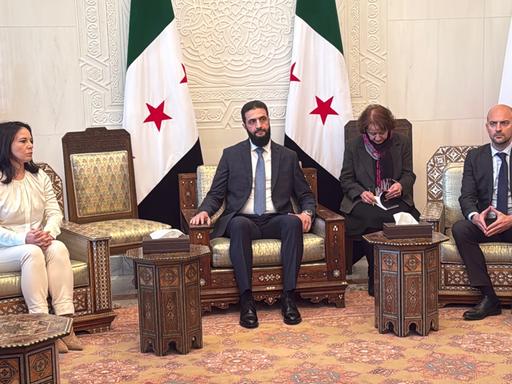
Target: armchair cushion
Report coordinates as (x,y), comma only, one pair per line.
(494,253)
(266,252)
(123,231)
(10,282)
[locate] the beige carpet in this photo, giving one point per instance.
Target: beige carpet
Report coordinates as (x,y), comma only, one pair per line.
(330,346)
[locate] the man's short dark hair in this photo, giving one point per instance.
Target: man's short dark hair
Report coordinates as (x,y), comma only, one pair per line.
(254,104)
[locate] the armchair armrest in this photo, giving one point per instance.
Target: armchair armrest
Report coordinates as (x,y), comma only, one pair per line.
(188,214)
(77,240)
(332,227)
(95,251)
(199,234)
(434,214)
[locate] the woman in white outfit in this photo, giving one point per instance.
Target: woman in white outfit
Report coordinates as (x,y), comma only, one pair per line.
(30,218)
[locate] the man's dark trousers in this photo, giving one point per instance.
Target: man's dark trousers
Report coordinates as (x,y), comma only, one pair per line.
(243,229)
(468,237)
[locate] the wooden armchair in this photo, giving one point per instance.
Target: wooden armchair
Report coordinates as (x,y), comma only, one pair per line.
(444,177)
(322,272)
(89,255)
(100,187)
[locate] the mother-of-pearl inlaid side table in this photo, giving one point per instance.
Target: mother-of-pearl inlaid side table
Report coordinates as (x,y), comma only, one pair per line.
(27,347)
(406,283)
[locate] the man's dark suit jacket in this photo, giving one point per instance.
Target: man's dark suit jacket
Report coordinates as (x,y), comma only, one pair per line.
(477,182)
(358,172)
(233,181)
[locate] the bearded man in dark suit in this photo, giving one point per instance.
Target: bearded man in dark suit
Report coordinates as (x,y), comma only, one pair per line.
(257,179)
(487,206)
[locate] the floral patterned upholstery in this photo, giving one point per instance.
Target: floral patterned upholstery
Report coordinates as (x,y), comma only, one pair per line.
(102,183)
(266,252)
(10,282)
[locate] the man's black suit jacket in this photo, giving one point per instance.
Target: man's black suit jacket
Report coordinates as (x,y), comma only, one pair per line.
(233,182)
(477,180)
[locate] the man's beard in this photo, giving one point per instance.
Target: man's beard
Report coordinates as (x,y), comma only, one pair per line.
(259,141)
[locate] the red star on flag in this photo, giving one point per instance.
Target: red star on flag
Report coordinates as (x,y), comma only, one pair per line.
(157,115)
(323,108)
(292,76)
(184,80)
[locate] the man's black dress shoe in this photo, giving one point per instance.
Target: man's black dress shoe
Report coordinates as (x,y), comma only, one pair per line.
(248,316)
(291,315)
(487,307)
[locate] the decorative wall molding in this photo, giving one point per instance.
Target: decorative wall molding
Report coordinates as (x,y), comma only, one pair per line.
(366,51)
(234,51)
(103,26)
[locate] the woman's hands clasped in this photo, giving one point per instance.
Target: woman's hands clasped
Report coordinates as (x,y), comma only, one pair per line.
(38,237)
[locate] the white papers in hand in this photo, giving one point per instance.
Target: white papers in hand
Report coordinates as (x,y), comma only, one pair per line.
(378,202)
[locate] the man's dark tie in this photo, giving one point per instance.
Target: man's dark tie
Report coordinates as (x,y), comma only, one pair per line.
(502,198)
(259,184)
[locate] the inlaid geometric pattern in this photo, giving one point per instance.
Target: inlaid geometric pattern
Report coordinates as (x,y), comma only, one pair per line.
(436,165)
(56,183)
(146,276)
(31,328)
(40,366)
(169,277)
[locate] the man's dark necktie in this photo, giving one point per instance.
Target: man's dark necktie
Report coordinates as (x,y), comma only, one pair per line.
(259,184)
(502,198)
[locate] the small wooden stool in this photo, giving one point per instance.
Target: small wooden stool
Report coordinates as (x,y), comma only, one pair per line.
(406,283)
(27,347)
(169,301)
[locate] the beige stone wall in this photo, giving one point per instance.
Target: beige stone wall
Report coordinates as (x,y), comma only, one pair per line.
(437,63)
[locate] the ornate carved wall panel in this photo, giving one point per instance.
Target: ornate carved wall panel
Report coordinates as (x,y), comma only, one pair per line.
(103,31)
(234,51)
(365,50)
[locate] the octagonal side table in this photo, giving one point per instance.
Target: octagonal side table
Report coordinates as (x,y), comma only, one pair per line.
(169,299)
(27,347)
(406,283)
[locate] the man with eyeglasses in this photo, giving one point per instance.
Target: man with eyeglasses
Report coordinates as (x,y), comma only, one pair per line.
(257,179)
(487,206)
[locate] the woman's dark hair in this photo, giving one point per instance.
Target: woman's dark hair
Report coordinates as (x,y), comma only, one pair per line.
(8,132)
(378,115)
(254,104)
